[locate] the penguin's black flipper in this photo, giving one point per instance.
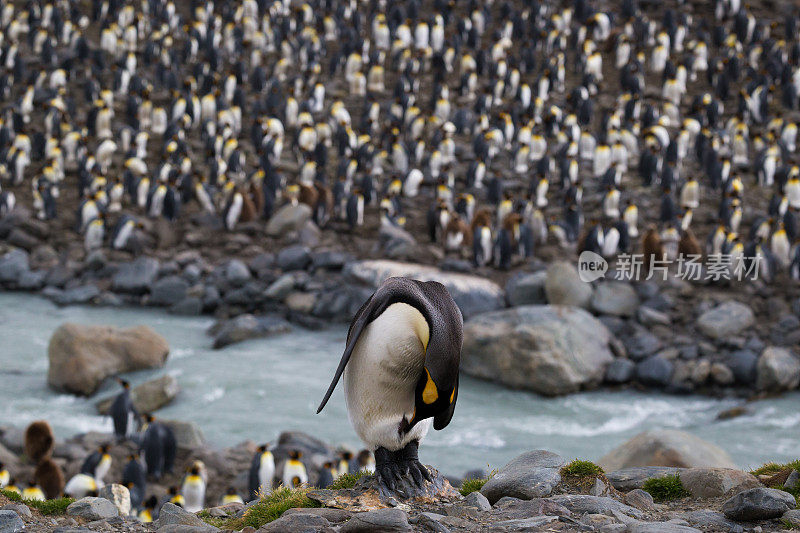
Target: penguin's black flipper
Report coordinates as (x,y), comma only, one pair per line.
(363,317)
(90,464)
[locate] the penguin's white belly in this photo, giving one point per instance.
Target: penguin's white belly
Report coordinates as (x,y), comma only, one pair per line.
(79,486)
(194,496)
(381,377)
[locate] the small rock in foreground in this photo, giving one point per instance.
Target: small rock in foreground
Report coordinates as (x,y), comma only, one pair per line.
(758,504)
(90,508)
(531,475)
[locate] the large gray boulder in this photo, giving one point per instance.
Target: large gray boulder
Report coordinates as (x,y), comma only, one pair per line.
(531,475)
(473,294)
(563,286)
(81,357)
(726,319)
(666,447)
(548,349)
(90,509)
(135,277)
(288,218)
(716,482)
(758,504)
(615,298)
(777,370)
(148,396)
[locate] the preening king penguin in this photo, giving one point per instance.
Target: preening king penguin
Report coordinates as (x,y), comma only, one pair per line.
(400,370)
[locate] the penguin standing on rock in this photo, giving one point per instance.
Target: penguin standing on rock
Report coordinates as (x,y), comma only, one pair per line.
(135,478)
(97,465)
(123,412)
(262,470)
(159,447)
(194,491)
(294,471)
(400,371)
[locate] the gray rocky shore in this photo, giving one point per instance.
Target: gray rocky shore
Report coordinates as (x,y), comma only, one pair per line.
(536,491)
(672,335)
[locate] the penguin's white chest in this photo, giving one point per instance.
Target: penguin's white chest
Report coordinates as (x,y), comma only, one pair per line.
(381,377)
(194,492)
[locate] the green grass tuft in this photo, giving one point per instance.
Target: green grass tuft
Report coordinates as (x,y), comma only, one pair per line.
(13,496)
(665,488)
(270,507)
(770,469)
(47,507)
(581,469)
(767,469)
(347,481)
(472,485)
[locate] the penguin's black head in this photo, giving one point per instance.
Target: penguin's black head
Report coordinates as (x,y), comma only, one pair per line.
(195,471)
(173,491)
(103,449)
(231,491)
(151,502)
(262,448)
(347,455)
(149,418)
(327,465)
(92,493)
(296,481)
(295,454)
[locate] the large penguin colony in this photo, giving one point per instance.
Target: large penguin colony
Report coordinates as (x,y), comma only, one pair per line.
(494,129)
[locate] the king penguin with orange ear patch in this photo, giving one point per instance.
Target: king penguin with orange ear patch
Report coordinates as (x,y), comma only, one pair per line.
(400,371)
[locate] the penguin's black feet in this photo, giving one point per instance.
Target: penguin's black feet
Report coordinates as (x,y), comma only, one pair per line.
(396,469)
(387,468)
(409,461)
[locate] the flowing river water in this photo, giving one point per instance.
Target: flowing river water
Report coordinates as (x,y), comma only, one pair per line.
(256,389)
